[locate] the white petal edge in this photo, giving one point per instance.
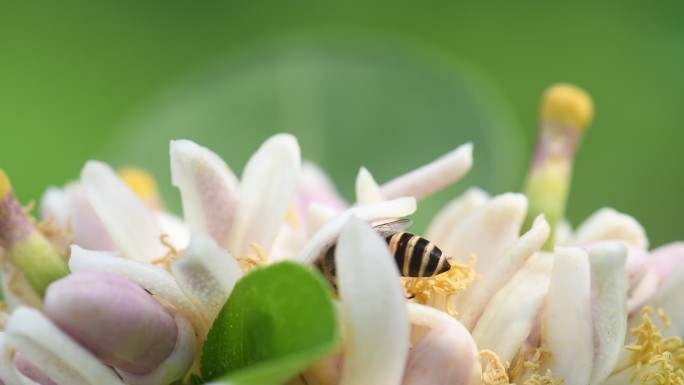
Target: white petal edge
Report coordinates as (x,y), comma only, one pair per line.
(158,281)
(208,187)
(433,176)
(607,224)
(396,208)
(367,190)
(567,329)
(267,189)
(129,222)
(376,338)
(207,274)
(53,352)
(487,231)
(473,301)
(513,310)
(609,285)
(462,340)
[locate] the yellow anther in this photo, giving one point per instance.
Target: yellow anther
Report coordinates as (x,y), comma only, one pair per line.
(171,255)
(567,104)
(5,185)
(656,359)
(250,262)
(449,283)
(495,371)
(143,184)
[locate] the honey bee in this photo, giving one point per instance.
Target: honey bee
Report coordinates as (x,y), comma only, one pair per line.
(415,256)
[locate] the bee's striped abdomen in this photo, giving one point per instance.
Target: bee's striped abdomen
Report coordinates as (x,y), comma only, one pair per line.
(416,256)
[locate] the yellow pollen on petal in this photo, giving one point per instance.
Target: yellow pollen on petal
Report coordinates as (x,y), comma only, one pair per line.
(293,218)
(5,185)
(251,262)
(656,359)
(143,184)
(458,279)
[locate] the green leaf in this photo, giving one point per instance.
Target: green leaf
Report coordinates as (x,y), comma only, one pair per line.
(278,321)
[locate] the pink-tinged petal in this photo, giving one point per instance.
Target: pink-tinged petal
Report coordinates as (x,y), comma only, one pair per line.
(156,280)
(9,373)
(326,236)
(448,218)
(113,318)
(208,188)
(266,191)
(176,365)
(55,354)
(26,368)
(433,176)
(367,190)
(669,298)
(376,326)
(473,301)
(129,222)
(447,354)
(609,285)
(607,224)
(667,259)
(487,231)
(206,273)
(86,227)
(513,310)
(567,330)
(316,187)
(642,291)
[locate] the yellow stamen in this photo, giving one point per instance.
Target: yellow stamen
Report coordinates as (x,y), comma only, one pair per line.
(5,185)
(656,359)
(171,256)
(449,283)
(143,184)
(495,371)
(525,364)
(251,262)
(567,104)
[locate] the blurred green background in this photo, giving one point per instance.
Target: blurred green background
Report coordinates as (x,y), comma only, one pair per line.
(385,84)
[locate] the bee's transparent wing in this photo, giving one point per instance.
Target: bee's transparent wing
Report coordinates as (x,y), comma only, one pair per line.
(389,228)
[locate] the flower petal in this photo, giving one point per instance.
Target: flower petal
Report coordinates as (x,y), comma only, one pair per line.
(446,355)
(367,190)
(53,352)
(669,298)
(566,326)
(607,224)
(667,259)
(513,310)
(206,274)
(487,231)
(377,328)
(609,285)
(266,191)
(326,236)
(158,281)
(473,301)
(433,176)
(129,222)
(448,218)
(208,188)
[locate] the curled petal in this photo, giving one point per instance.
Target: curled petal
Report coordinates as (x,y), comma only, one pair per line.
(513,310)
(208,188)
(487,230)
(206,274)
(377,329)
(433,176)
(473,302)
(53,353)
(449,217)
(266,191)
(446,355)
(609,285)
(367,190)
(396,208)
(607,224)
(130,223)
(157,280)
(26,368)
(566,325)
(129,330)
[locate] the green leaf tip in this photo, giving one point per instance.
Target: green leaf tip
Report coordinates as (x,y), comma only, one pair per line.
(278,321)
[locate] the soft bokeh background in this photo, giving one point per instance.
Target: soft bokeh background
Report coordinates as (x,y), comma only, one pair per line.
(388,84)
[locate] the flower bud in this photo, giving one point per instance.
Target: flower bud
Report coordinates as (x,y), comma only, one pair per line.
(115,319)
